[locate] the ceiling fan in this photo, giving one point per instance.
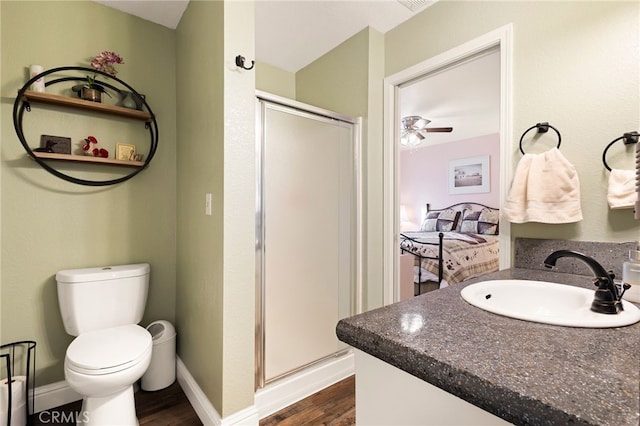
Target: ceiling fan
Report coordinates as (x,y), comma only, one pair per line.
(413,127)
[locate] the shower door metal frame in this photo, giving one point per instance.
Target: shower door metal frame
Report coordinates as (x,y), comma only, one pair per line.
(356,288)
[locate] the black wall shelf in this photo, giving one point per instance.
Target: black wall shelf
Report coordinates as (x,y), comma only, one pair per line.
(26,98)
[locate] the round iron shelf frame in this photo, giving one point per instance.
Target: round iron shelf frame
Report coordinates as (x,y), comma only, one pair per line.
(22,103)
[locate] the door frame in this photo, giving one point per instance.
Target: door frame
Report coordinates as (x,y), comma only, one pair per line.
(501,38)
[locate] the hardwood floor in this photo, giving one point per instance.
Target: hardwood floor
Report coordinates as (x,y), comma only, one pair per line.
(166,407)
(333,406)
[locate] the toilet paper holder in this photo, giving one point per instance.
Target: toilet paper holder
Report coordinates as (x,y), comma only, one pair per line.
(18,380)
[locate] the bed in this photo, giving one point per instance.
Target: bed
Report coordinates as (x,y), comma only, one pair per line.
(453,244)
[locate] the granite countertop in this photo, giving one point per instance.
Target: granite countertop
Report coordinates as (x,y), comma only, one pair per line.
(523,372)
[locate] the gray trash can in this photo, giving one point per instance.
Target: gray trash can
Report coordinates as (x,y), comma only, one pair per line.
(162,369)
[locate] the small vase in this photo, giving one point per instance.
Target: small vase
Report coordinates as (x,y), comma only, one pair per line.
(93,95)
(128,101)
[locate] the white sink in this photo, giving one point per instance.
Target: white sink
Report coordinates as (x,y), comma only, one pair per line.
(545,302)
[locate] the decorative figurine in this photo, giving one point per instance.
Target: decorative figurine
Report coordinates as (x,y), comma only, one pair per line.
(90,147)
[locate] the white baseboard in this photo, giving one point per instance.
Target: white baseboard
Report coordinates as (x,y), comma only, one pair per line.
(271,398)
(203,407)
(54,395)
(200,403)
(291,389)
(268,400)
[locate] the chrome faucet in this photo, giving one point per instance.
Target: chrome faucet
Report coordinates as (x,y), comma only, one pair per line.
(607,297)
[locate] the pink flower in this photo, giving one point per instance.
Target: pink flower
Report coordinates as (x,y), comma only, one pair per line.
(105,60)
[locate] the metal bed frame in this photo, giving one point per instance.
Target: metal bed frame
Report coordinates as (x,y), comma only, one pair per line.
(411,242)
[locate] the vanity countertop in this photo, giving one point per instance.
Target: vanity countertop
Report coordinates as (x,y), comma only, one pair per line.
(523,372)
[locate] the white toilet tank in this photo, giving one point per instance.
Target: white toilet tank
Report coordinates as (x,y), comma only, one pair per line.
(97,298)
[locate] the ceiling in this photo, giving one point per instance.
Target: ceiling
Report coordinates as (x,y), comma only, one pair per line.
(163,12)
(290,34)
(465,96)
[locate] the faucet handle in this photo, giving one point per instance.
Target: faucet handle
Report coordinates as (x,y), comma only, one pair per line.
(625,287)
(605,279)
(602,282)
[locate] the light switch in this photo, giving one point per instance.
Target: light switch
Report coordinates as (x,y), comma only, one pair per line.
(207,204)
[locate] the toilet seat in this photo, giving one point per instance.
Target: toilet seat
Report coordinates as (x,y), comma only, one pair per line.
(108,351)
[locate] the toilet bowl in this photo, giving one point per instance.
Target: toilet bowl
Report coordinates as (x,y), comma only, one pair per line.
(102,307)
(102,366)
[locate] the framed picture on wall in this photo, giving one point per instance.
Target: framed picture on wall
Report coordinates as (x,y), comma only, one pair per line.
(469,175)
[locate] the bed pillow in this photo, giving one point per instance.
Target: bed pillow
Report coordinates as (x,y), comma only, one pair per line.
(485,221)
(440,221)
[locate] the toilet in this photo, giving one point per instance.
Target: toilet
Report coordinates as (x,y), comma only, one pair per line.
(102,307)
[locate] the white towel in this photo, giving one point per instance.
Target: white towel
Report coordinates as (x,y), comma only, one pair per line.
(545,189)
(622,189)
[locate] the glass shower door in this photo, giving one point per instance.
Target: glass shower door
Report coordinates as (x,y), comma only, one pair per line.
(307,212)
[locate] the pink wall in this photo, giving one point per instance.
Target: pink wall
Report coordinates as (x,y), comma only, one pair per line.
(424,174)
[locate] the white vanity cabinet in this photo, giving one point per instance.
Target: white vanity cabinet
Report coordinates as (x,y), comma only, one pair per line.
(386,395)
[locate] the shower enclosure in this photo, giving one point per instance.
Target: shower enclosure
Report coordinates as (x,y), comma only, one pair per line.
(306,234)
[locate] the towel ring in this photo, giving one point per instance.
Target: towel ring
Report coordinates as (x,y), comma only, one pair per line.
(542,128)
(628,138)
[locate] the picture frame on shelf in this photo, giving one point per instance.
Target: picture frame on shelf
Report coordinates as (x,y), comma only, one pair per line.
(125,151)
(469,175)
(55,144)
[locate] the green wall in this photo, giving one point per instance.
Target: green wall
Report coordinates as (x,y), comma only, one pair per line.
(199,302)
(581,77)
(216,284)
(338,81)
(575,65)
(348,79)
(49,224)
(275,80)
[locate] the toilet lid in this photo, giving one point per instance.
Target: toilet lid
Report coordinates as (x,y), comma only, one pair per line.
(109,350)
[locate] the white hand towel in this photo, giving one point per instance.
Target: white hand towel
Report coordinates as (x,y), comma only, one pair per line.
(622,189)
(545,189)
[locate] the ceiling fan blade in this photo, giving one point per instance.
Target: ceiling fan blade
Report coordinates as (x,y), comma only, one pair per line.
(414,122)
(439,129)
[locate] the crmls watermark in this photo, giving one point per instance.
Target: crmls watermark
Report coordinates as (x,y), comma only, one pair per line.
(61,417)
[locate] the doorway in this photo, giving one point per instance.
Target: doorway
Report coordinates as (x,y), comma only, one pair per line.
(499,40)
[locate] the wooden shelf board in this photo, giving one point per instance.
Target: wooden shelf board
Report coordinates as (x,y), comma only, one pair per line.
(66,101)
(87,159)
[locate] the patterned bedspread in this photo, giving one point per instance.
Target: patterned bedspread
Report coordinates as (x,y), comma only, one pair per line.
(464,255)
